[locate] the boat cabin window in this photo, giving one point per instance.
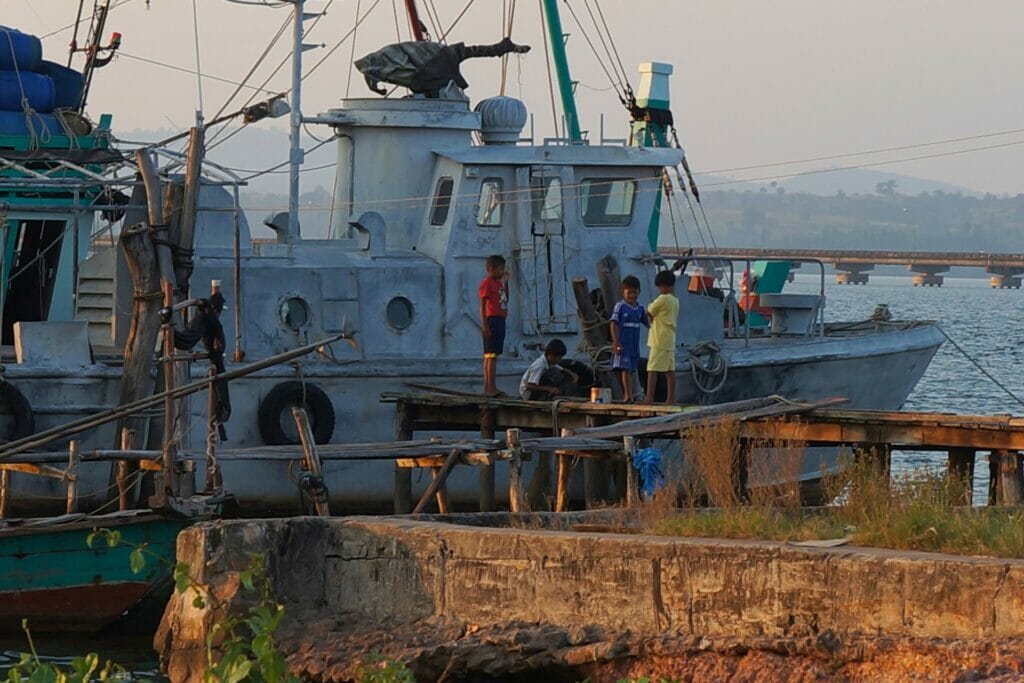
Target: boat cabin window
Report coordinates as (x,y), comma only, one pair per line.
(488,211)
(607,202)
(546,193)
(442,201)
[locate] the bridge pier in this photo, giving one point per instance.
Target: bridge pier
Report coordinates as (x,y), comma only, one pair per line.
(1004,277)
(852,273)
(927,276)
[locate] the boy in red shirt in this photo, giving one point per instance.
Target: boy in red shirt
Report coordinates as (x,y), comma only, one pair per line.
(493,311)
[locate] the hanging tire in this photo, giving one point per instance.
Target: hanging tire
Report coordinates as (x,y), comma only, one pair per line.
(275,412)
(23,419)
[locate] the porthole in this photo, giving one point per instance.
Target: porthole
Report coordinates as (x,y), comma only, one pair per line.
(294,313)
(399,313)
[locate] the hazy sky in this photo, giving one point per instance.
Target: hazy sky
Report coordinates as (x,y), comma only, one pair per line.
(756,82)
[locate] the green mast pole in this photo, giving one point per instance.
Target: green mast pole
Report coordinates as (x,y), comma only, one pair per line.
(557,39)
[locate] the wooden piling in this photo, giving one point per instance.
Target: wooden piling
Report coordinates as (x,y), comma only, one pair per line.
(516,499)
(960,468)
(5,492)
(632,479)
(311,459)
(488,420)
(403,475)
(123,469)
(71,476)
(1011,491)
(562,485)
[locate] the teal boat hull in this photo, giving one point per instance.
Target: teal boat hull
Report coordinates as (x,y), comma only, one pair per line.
(50,576)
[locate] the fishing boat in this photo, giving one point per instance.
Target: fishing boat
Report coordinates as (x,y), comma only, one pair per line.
(56,581)
(427,186)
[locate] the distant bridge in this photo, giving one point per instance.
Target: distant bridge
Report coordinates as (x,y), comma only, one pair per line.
(853,265)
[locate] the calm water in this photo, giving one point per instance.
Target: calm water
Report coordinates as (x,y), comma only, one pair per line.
(985,322)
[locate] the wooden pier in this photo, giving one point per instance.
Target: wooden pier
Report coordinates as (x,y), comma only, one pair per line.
(772,420)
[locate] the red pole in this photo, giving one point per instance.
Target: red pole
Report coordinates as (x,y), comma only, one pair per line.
(419,31)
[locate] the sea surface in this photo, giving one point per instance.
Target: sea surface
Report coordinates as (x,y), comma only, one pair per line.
(987,325)
(985,322)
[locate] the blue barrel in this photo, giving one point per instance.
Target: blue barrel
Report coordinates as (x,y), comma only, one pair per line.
(27,50)
(38,89)
(68,84)
(14,123)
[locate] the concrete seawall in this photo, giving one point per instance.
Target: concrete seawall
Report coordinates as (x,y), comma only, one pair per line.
(623,590)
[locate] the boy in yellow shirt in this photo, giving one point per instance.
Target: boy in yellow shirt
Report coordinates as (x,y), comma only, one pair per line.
(663,311)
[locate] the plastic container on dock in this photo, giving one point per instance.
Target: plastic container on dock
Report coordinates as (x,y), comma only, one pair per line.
(19,50)
(42,125)
(38,89)
(67,84)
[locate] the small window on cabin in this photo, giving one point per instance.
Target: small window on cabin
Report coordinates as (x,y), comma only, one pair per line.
(489,208)
(546,195)
(442,201)
(607,202)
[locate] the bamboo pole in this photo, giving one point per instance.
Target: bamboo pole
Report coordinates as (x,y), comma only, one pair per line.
(61,431)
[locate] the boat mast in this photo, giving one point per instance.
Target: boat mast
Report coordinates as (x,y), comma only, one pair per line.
(295,153)
(419,31)
(565,85)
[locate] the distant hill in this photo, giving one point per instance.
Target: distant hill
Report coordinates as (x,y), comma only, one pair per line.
(850,181)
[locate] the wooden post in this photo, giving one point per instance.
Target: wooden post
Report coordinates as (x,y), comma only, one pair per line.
(438,481)
(488,425)
(562,486)
(741,476)
(403,475)
(611,283)
(960,467)
(190,205)
(127,444)
(632,478)
(516,500)
(993,478)
(5,492)
(1009,478)
(311,458)
(170,404)
(595,476)
(71,475)
(595,330)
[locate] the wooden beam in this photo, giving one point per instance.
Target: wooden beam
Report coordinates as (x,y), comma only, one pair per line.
(311,461)
(438,481)
(632,476)
(71,476)
(960,468)
(516,499)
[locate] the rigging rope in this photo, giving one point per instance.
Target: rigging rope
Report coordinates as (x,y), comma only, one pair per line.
(457,19)
(547,64)
(508,34)
(978,365)
(352,53)
(259,61)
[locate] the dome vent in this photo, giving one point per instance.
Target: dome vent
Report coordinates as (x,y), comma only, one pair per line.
(502,120)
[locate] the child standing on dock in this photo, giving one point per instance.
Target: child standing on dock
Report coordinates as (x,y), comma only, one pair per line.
(664,312)
(627,317)
(493,311)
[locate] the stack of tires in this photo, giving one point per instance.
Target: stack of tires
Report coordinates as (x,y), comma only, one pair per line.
(29,81)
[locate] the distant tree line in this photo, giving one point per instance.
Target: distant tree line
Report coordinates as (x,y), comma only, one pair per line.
(931,221)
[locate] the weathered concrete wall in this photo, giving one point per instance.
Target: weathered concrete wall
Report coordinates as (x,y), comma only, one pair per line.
(397,571)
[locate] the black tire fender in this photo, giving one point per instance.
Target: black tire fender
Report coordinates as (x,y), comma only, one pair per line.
(24,420)
(278,403)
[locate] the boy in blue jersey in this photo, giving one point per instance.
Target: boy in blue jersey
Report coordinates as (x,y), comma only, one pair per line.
(627,317)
